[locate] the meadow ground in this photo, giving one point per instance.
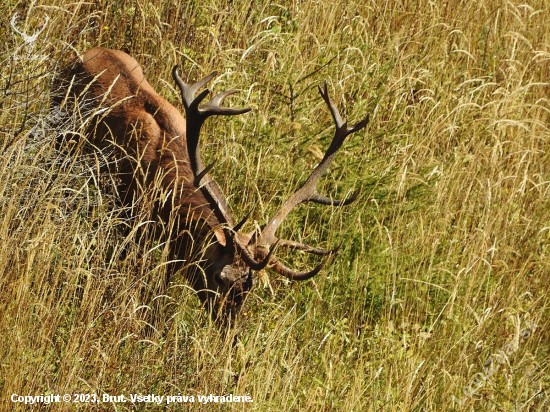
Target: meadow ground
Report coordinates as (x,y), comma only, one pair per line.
(438,299)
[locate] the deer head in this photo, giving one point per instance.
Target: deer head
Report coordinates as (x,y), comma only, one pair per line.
(169,146)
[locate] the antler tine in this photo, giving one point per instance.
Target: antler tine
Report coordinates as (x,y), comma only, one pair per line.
(306,248)
(323,200)
(342,129)
(333,110)
(198,178)
(291,274)
(213,106)
(231,234)
(308,191)
(239,225)
(281,269)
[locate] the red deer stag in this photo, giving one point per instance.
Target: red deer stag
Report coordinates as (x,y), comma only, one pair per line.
(155,145)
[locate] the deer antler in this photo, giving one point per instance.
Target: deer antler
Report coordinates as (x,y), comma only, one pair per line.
(307,193)
(195,117)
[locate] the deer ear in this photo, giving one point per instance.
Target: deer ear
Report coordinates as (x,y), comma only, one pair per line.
(242,238)
(220,236)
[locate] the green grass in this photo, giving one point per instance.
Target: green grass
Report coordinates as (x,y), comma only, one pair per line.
(444,256)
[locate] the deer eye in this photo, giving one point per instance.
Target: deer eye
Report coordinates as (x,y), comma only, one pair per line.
(218,278)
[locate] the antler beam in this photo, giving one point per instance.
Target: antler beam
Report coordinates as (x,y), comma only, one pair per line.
(195,115)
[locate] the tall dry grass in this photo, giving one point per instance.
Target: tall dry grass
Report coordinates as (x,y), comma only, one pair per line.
(445,254)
